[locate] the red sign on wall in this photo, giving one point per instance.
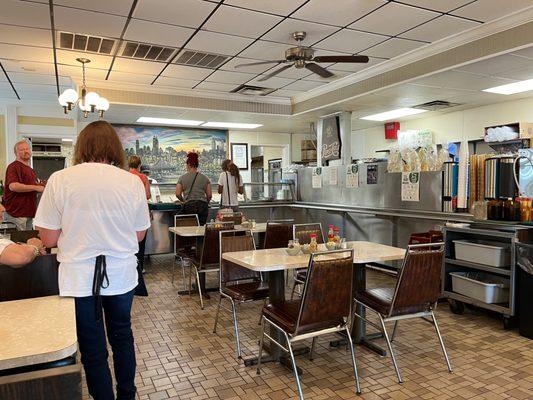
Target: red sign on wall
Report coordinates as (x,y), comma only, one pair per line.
(391,130)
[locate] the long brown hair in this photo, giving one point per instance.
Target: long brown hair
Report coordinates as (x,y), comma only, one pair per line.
(234,171)
(98,142)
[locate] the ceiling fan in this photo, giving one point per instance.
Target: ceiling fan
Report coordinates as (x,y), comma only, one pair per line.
(303,57)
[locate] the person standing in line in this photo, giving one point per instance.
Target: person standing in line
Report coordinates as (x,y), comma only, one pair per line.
(95,212)
(229,186)
(194,190)
(21,188)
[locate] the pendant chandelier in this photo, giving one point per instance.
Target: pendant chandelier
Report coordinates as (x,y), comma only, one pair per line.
(89,102)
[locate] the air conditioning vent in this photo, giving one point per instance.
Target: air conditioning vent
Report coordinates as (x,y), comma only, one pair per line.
(199,59)
(143,51)
(252,90)
(436,105)
(92,44)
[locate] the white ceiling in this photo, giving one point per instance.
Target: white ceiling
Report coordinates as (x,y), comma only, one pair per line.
(243,30)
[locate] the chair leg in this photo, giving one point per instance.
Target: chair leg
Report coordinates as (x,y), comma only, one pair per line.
(355,373)
(236,328)
(190,280)
(261,315)
(394,331)
(216,315)
(313,344)
(293,289)
(294,367)
(199,288)
(183,274)
(441,342)
(389,345)
(261,344)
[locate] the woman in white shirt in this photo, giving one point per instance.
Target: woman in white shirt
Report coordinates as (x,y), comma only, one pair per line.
(229,186)
(96,213)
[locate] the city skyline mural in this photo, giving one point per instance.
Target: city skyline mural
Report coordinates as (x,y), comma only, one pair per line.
(163,150)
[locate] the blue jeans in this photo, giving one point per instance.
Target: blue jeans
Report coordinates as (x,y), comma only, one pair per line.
(93,347)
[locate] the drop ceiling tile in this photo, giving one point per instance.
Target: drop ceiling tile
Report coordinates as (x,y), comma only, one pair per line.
(155,33)
(262,50)
(315,32)
(520,74)
(355,67)
(440,28)
(25,36)
(337,75)
(175,82)
(393,19)
(141,79)
(75,73)
(230,65)
(186,72)
(217,87)
(338,12)
(295,73)
(218,43)
(119,7)
(487,10)
(97,60)
(190,13)
(462,80)
(349,41)
(29,66)
(280,7)
(138,66)
(88,22)
(26,14)
(229,77)
(275,82)
(392,48)
(303,85)
(497,65)
(38,79)
(26,53)
(438,5)
(231,20)
(527,52)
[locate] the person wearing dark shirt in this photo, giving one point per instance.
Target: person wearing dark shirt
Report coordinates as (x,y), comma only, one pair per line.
(21,188)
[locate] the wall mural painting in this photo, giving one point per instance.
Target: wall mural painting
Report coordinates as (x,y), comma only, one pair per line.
(163,150)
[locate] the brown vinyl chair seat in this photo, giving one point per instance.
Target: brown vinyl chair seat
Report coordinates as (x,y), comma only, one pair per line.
(379,299)
(188,252)
(301,274)
(285,315)
(247,291)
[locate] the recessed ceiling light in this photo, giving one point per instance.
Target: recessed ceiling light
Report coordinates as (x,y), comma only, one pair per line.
(512,88)
(392,114)
(67,140)
(169,121)
(236,125)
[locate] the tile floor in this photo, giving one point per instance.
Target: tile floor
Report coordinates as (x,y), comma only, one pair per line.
(179,357)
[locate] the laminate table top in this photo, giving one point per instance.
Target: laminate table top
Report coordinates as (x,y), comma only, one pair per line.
(37,330)
(199,231)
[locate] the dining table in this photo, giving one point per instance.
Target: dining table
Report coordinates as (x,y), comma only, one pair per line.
(275,262)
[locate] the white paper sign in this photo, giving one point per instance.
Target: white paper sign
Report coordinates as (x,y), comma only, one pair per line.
(410,186)
(333,176)
(317,178)
(352,176)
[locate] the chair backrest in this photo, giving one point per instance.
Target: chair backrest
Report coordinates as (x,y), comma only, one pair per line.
(303,232)
(23,236)
(235,217)
(426,237)
(36,279)
(211,246)
(327,294)
(278,234)
(181,242)
(236,240)
(419,282)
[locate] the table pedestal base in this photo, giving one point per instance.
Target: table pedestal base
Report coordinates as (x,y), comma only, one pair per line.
(365,341)
(283,360)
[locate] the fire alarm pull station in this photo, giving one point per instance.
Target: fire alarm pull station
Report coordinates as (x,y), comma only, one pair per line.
(391,130)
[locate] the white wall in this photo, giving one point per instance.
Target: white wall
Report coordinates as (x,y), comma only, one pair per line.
(455,126)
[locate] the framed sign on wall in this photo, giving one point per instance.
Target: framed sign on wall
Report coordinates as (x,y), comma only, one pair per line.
(239,155)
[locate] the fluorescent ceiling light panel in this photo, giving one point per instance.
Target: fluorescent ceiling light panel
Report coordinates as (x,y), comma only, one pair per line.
(512,88)
(169,121)
(67,140)
(235,125)
(393,114)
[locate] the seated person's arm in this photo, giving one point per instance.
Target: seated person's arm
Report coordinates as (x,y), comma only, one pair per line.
(49,237)
(141,235)
(17,255)
(23,188)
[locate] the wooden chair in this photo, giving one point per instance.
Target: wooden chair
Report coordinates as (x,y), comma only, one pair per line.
(303,233)
(237,284)
(325,308)
(184,247)
(210,258)
(417,291)
(278,233)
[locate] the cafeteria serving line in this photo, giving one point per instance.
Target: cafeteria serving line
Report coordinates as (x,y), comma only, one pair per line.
(236,199)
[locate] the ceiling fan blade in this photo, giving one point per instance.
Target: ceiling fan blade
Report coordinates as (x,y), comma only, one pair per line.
(279,70)
(317,69)
(342,59)
(259,63)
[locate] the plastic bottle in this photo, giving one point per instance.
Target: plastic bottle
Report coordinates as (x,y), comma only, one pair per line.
(313,246)
(331,234)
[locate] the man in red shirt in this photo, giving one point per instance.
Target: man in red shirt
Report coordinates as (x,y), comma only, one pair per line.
(21,188)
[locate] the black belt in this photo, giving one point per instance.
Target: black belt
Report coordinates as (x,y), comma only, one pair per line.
(100,276)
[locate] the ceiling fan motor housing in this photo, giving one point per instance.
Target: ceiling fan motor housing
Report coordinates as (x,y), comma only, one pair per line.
(299,53)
